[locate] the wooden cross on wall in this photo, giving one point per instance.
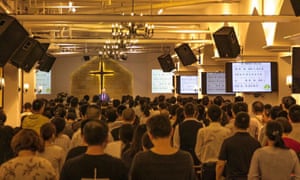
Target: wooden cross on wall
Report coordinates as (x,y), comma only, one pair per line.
(102,73)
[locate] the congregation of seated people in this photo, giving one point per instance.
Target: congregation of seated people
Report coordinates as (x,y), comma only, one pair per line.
(139,138)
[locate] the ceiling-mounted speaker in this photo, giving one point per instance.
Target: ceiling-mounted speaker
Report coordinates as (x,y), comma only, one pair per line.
(296,7)
(166,63)
(12,34)
(27,54)
(185,54)
(86,58)
(46,63)
(227,42)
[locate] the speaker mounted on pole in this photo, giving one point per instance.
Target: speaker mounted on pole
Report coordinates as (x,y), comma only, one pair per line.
(46,63)
(27,54)
(185,54)
(166,63)
(12,34)
(227,42)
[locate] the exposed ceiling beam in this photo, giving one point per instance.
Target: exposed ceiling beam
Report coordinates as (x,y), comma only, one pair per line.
(140,41)
(155,18)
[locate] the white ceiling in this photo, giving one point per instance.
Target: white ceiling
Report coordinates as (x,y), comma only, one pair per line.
(86,30)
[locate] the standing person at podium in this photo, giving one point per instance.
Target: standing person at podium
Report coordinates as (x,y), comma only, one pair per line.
(104,97)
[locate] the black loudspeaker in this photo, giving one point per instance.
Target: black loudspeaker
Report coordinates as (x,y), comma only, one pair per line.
(185,54)
(12,34)
(296,6)
(226,42)
(86,58)
(46,63)
(295,70)
(45,46)
(27,54)
(166,63)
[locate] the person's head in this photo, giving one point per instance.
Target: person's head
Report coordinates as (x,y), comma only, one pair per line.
(238,99)
(116,103)
(47,131)
(95,99)
(82,110)
(120,109)
(159,126)
(257,107)
(128,115)
(179,116)
(274,112)
(38,106)
(74,102)
(126,133)
(287,102)
(60,112)
(218,100)
(27,106)
(267,113)
(26,139)
(86,98)
(189,110)
(205,100)
(111,114)
(2,118)
(201,112)
(274,132)
(294,113)
(59,124)
(242,120)
(214,113)
(71,116)
(239,107)
(95,132)
(93,112)
(287,127)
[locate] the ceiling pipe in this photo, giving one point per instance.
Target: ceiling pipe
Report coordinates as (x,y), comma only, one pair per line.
(129,8)
(67,19)
(139,41)
(5,7)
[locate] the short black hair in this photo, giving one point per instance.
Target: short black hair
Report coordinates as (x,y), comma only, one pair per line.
(287,127)
(239,107)
(257,107)
(218,100)
(288,101)
(71,115)
(159,126)
(294,113)
(189,109)
(238,99)
(27,105)
(274,112)
(59,124)
(47,131)
(95,132)
(242,120)
(214,112)
(37,104)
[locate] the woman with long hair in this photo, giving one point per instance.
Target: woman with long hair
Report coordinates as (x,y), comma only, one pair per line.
(275,161)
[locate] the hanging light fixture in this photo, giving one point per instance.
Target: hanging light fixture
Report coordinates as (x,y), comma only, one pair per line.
(131,30)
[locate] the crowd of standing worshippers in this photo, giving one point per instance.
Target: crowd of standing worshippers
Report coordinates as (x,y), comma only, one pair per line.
(138,138)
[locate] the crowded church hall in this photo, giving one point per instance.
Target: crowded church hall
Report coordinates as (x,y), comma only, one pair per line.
(149,90)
